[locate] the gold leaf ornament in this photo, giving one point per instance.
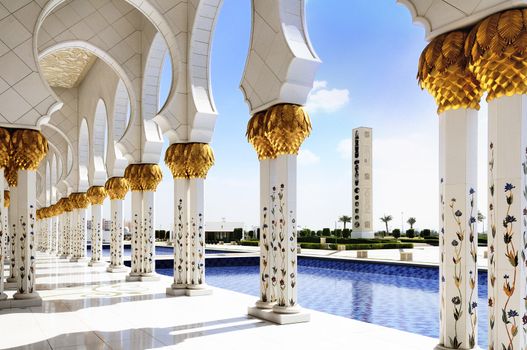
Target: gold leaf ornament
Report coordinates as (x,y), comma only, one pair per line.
(189,160)
(79,200)
(200,159)
(5,147)
(96,195)
(143,177)
(7,199)
(288,126)
(497,56)
(256,135)
(29,148)
(443,72)
(117,187)
(176,160)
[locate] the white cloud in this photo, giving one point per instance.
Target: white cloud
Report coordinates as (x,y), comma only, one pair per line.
(344,148)
(324,100)
(306,157)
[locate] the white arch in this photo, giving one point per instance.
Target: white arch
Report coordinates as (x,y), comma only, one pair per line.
(99,142)
(83,156)
(152,78)
(149,11)
(100,130)
(121,112)
(109,60)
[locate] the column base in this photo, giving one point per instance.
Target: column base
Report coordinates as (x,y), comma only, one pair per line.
(189,292)
(11,279)
(10,285)
(133,277)
(150,277)
(121,268)
(24,300)
(441,347)
(64,256)
(80,260)
(3,296)
(266,305)
(97,263)
(287,310)
(279,318)
(176,292)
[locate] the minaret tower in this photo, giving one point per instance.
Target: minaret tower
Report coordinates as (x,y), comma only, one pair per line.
(362,183)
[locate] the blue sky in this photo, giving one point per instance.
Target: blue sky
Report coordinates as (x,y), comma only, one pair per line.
(369,51)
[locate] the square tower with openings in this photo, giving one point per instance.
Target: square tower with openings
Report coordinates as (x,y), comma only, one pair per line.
(362,183)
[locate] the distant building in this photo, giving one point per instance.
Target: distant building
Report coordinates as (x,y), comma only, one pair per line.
(362,183)
(216,231)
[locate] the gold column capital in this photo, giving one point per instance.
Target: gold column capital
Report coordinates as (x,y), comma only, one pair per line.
(96,195)
(200,158)
(11,175)
(117,187)
(7,199)
(143,177)
(279,130)
(496,48)
(256,135)
(67,204)
(79,200)
(189,160)
(5,147)
(288,126)
(29,147)
(176,159)
(56,209)
(443,71)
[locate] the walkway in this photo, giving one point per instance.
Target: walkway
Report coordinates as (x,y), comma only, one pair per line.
(92,309)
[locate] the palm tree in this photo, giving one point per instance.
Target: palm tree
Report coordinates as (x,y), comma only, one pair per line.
(411,221)
(481,217)
(345,219)
(386,219)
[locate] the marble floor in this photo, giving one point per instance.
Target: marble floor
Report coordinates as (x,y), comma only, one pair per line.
(88,308)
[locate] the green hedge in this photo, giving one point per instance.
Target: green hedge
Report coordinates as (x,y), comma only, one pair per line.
(346,240)
(358,246)
(392,244)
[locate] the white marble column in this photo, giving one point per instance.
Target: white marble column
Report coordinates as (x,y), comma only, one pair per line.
(117,237)
(181,237)
(268,238)
(148,237)
(54,235)
(12,218)
(136,246)
(283,202)
(3,235)
(74,237)
(96,236)
(507,138)
(71,233)
(26,203)
(48,232)
(196,234)
(82,242)
(60,236)
(5,223)
(458,131)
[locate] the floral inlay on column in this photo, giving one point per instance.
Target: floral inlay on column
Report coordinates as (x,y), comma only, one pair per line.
(458,247)
(178,244)
(264,274)
(509,317)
